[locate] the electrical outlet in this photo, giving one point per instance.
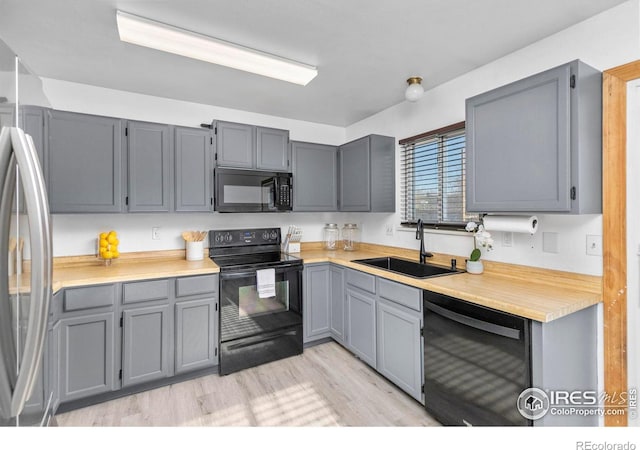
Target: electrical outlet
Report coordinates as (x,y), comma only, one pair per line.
(155,233)
(507,239)
(594,245)
(389,230)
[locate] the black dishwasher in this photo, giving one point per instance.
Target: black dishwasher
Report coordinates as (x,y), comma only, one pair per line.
(477,361)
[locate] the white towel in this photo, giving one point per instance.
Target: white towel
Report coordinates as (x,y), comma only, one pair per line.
(266,283)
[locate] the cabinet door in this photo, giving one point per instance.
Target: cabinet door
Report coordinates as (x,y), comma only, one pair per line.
(337,322)
(399,350)
(316,302)
(193,169)
(85,163)
(86,350)
(518,146)
(149,167)
(196,334)
(145,344)
(361,325)
(235,144)
(355,176)
(272,149)
(315,177)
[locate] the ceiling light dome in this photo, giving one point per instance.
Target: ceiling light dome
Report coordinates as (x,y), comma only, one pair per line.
(414,90)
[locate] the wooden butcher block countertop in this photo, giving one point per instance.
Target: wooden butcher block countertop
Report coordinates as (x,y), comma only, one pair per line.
(539,294)
(86,270)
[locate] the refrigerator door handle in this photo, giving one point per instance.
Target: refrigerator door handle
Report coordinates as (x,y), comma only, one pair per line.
(8,368)
(37,207)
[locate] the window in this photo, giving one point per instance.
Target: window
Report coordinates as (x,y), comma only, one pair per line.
(433,178)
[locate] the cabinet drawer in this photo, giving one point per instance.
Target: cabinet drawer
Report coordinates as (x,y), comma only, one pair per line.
(362,280)
(145,291)
(400,293)
(89,297)
(196,285)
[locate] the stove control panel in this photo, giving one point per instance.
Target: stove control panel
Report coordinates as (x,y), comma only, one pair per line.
(242,238)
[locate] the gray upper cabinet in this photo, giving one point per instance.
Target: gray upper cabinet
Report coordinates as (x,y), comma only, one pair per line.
(149,157)
(315,177)
(247,146)
(145,344)
(84,163)
(535,145)
(193,169)
(235,144)
(272,149)
(367,174)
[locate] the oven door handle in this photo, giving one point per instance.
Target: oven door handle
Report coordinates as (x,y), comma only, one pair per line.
(252,272)
(473,322)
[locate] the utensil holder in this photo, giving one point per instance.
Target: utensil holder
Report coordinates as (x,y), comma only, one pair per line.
(195,250)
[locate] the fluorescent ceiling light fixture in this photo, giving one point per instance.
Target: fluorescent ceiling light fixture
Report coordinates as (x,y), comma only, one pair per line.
(148,33)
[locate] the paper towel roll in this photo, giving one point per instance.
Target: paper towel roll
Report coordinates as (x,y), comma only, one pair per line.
(515,224)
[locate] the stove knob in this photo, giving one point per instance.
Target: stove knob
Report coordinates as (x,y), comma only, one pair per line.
(228,238)
(265,235)
(274,235)
(218,238)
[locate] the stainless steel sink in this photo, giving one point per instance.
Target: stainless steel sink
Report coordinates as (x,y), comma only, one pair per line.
(407,267)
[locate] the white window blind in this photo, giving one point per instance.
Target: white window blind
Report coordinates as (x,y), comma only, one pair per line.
(433,178)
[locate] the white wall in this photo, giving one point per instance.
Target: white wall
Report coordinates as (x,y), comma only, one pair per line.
(606,40)
(633,239)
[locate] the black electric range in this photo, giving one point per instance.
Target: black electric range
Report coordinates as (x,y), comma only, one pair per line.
(258,323)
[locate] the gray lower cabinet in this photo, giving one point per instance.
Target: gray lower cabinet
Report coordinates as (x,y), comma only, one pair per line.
(367,174)
(196,334)
(361,324)
(87,356)
(337,310)
(145,344)
(193,169)
(316,302)
(149,168)
(85,163)
(543,136)
(315,177)
(399,346)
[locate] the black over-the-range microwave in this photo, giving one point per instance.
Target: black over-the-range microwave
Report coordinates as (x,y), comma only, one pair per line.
(238,190)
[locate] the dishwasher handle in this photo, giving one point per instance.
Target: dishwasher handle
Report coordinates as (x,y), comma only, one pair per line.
(479,324)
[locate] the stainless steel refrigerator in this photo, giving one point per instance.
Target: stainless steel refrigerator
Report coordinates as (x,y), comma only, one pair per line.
(25,254)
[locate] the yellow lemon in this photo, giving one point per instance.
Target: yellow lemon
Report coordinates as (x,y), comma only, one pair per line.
(116,242)
(108,255)
(112,239)
(104,235)
(115,253)
(103,242)
(102,252)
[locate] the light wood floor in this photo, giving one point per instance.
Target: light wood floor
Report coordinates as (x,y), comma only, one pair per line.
(325,386)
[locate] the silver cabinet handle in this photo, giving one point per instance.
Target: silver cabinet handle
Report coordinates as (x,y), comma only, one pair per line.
(37,208)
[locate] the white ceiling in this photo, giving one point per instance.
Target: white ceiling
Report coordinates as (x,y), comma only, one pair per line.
(364,49)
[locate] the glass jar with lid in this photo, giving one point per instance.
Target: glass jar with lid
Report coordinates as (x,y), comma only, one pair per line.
(330,236)
(350,237)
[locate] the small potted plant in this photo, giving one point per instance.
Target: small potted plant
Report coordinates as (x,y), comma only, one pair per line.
(481,239)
